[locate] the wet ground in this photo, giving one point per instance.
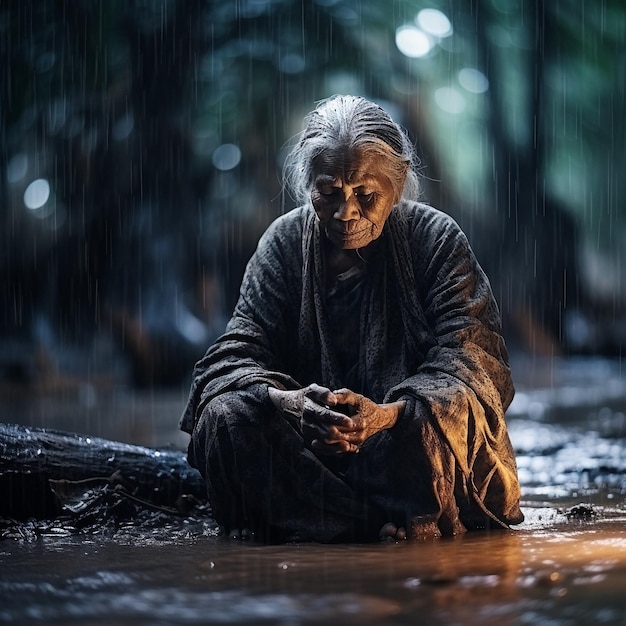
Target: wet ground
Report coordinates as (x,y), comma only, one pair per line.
(565,565)
(564,575)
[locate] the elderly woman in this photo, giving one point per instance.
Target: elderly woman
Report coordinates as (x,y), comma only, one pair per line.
(360,387)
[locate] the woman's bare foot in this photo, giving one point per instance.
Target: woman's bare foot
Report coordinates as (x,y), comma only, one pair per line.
(241,534)
(391,532)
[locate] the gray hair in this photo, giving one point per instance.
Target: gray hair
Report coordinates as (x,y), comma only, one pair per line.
(351,123)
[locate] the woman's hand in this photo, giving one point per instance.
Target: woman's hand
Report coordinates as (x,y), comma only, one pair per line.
(314,406)
(367,417)
(335,422)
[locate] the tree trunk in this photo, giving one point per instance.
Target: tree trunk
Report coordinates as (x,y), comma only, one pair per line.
(30,458)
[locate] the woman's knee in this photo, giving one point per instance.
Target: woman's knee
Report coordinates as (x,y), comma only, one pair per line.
(222,412)
(213,417)
(232,420)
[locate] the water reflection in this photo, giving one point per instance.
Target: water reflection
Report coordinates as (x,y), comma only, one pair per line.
(557,567)
(525,576)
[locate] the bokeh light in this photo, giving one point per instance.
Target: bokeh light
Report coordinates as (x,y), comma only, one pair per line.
(413,42)
(17,168)
(450,100)
(434,22)
(226,157)
(473,80)
(37,194)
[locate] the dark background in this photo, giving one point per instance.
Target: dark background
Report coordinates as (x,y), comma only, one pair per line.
(141,147)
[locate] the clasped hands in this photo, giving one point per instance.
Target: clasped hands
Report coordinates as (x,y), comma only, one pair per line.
(335,422)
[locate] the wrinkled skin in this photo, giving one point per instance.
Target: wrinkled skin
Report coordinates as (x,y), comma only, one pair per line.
(435,458)
(335,422)
(352,200)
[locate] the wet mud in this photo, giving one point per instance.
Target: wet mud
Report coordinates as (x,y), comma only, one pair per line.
(566,564)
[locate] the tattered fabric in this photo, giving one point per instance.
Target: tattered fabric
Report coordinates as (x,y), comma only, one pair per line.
(428,333)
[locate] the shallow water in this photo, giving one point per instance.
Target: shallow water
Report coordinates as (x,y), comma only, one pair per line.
(568,573)
(568,428)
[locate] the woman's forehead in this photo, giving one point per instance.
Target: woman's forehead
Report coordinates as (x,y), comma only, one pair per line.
(354,179)
(350,167)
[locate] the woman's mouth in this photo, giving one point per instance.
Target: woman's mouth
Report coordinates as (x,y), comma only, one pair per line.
(347,232)
(348,237)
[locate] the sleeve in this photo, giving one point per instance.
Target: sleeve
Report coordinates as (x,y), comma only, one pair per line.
(251,352)
(464,384)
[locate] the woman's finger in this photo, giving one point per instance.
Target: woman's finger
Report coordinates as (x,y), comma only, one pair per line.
(316,413)
(321,395)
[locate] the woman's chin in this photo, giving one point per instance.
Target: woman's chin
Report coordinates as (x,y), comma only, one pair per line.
(349,241)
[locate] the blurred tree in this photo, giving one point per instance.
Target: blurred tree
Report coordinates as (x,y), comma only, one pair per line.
(142,142)
(519,103)
(95,129)
(542,114)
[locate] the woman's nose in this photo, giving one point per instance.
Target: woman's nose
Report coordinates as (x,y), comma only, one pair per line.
(347,210)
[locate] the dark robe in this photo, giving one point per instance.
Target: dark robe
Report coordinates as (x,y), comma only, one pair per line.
(427,331)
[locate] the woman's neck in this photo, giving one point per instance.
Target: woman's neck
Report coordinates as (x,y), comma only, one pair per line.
(339,260)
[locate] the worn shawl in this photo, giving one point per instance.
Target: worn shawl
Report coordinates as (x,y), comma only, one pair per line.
(429,333)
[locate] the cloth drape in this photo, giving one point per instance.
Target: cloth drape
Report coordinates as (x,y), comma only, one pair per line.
(428,333)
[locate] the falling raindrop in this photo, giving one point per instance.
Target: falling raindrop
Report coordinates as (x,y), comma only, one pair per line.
(57,115)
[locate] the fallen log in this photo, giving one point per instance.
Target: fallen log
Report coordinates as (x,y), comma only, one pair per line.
(35,463)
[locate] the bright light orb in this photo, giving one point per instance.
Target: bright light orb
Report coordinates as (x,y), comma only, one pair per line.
(434,23)
(412,42)
(473,80)
(37,194)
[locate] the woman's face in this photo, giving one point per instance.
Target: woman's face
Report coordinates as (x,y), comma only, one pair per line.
(352,199)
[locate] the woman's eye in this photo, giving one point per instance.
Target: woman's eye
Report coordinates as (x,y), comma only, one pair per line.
(366,198)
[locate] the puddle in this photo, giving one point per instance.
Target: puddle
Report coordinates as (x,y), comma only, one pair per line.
(557,568)
(550,570)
